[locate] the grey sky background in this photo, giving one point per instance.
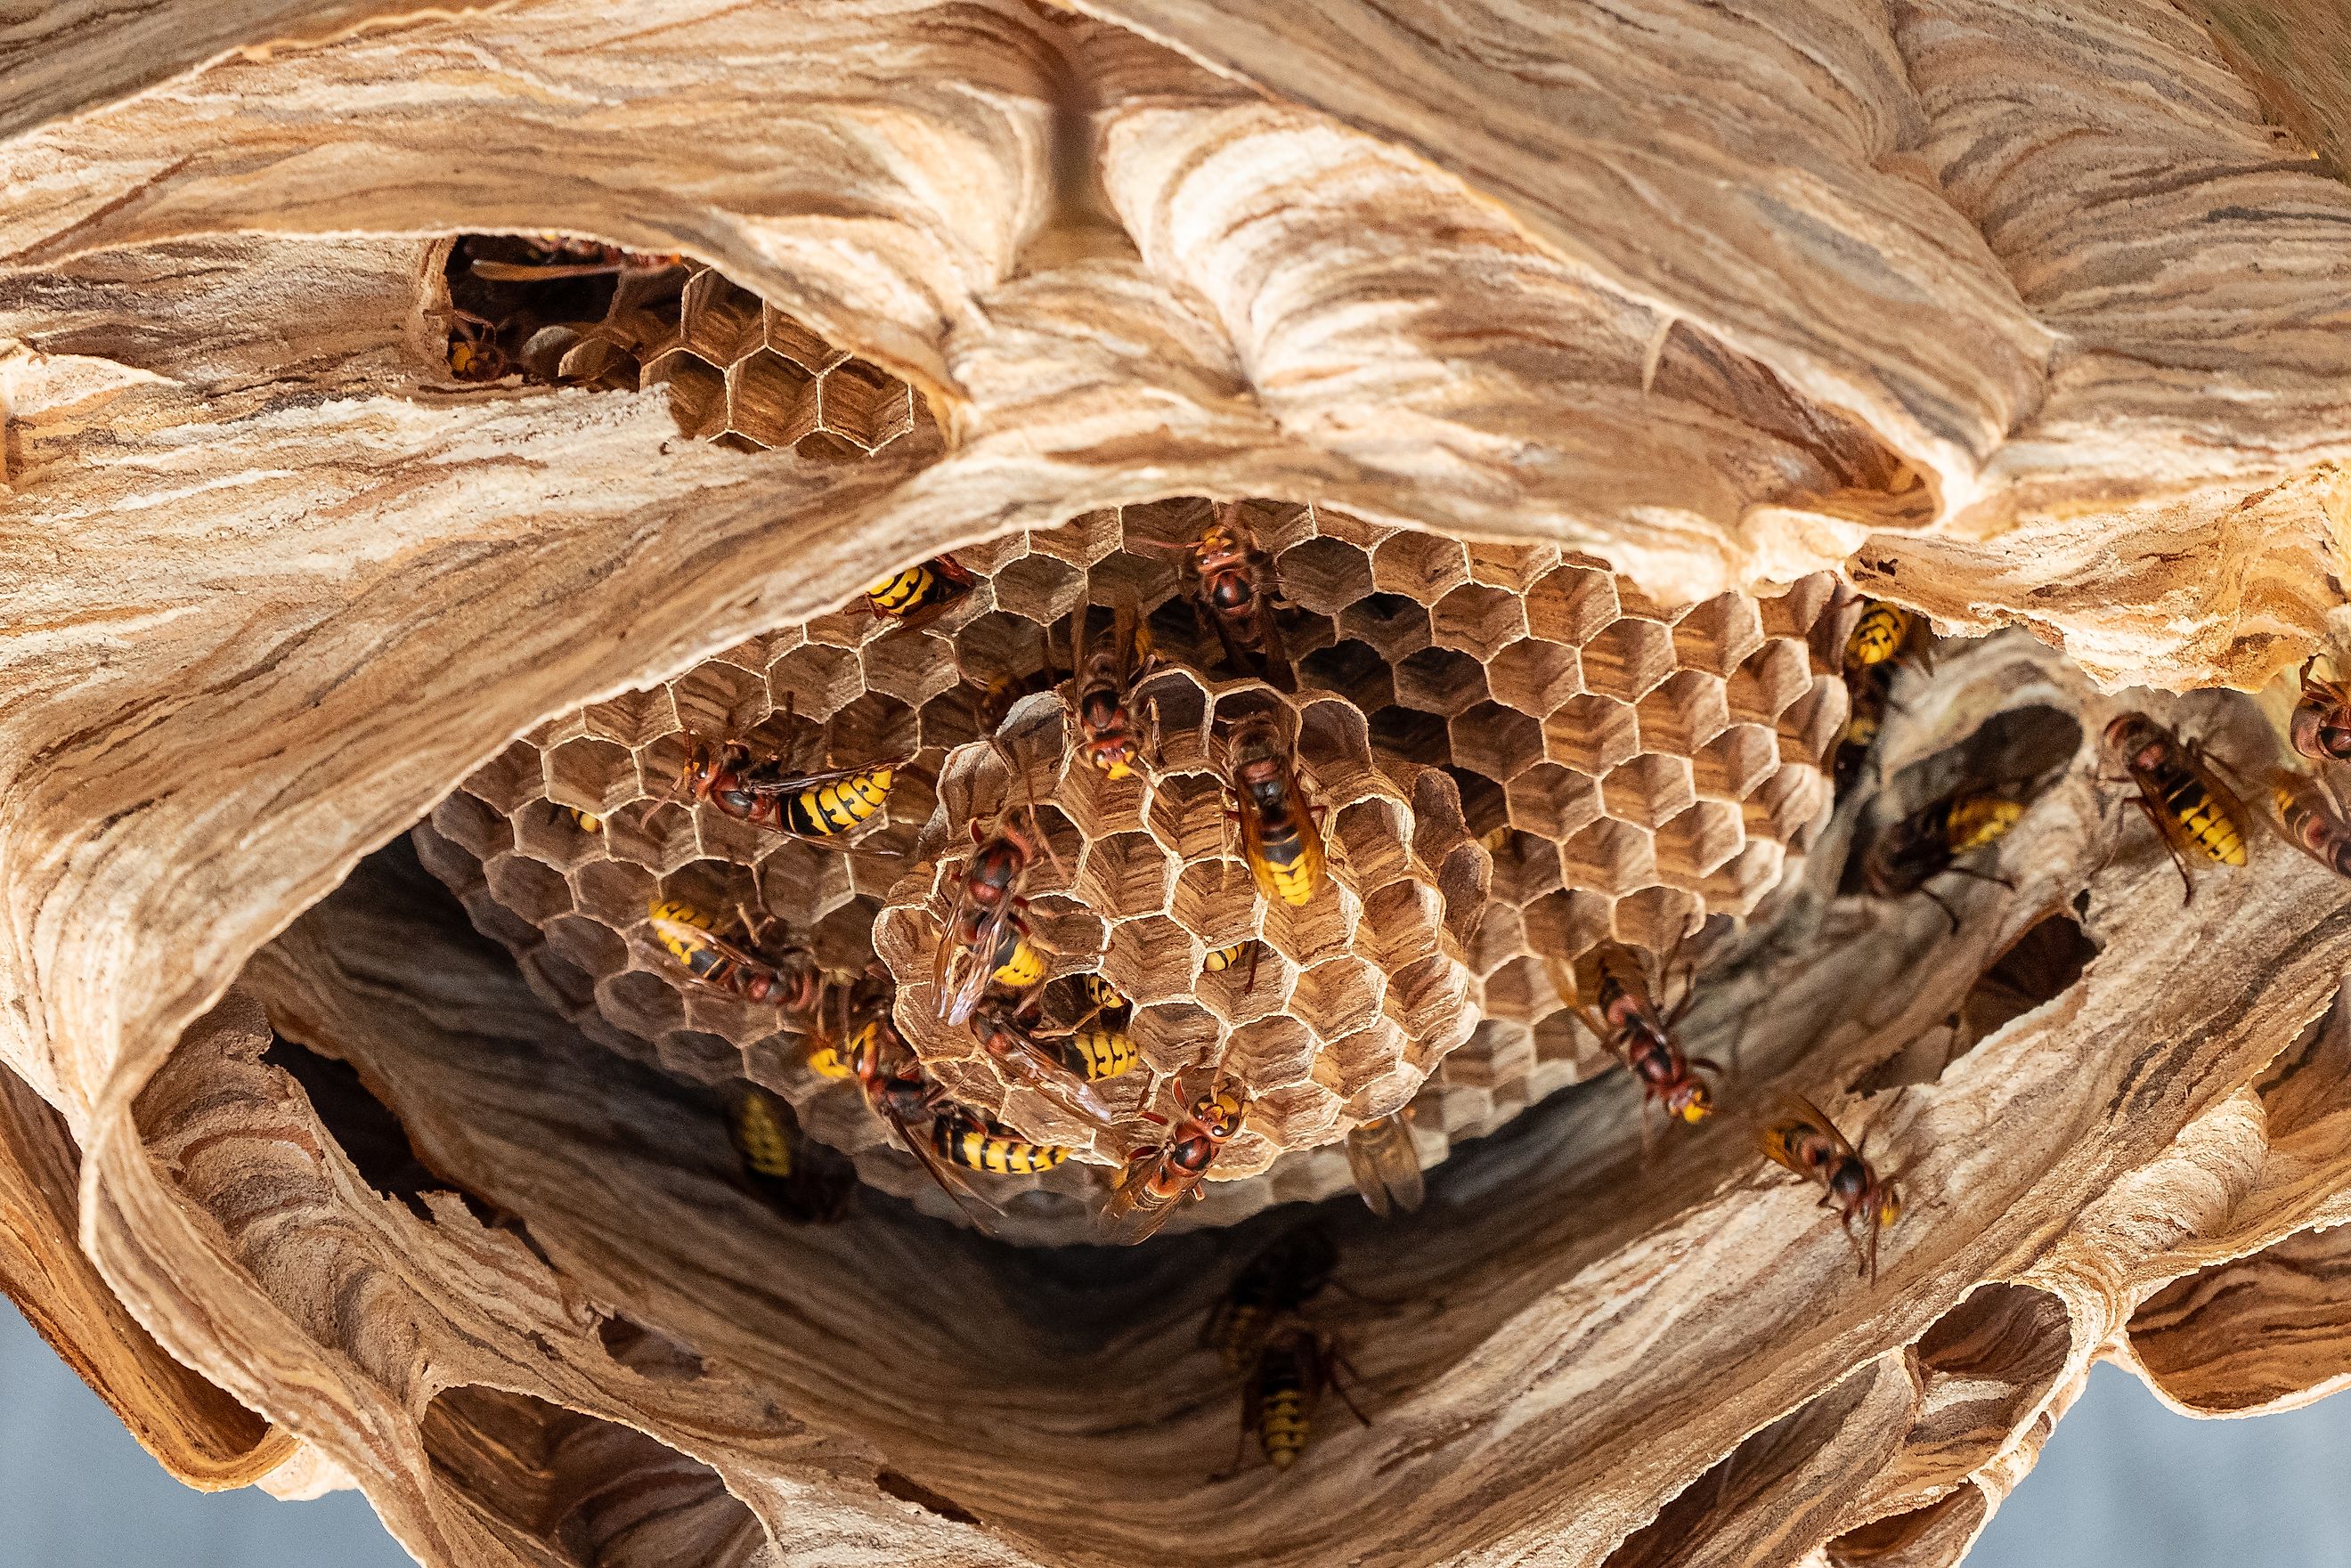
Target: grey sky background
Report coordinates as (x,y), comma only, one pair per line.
(2125,1483)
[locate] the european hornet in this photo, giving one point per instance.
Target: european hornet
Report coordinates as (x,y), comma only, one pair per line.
(1098,1045)
(1906,855)
(473,351)
(1286,1273)
(833,804)
(1884,633)
(2188,806)
(1803,1139)
(2312,819)
(867,1047)
(992,697)
(1295,1367)
(781,1164)
(1160,1176)
(786,977)
(1219,959)
(1281,834)
(1623,1014)
(917,594)
(586,821)
(1385,1166)
(2321,726)
(1101,691)
(966,1138)
(1028,1063)
(984,932)
(1235,594)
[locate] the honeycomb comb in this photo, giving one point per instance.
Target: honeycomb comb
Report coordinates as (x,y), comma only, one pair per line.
(1519,756)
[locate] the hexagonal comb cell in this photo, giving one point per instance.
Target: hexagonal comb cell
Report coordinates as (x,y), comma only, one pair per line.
(739,371)
(1507,755)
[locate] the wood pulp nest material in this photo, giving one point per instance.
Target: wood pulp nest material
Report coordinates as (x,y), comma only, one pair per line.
(2028,322)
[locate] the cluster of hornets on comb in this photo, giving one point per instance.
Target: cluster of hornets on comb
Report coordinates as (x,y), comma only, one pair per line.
(989,976)
(988,973)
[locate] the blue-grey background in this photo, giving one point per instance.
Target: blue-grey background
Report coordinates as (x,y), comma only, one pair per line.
(2124,1482)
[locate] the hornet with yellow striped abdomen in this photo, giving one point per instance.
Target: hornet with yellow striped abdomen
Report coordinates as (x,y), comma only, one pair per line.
(1027,1064)
(1884,633)
(1905,856)
(1281,834)
(2191,811)
(787,977)
(1610,986)
(978,1143)
(831,807)
(919,592)
(1295,1367)
(1098,1045)
(987,940)
(798,1178)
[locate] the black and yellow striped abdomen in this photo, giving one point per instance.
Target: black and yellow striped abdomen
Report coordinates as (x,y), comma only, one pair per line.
(1021,968)
(673,924)
(1290,868)
(760,1138)
(904,592)
(1100,1052)
(977,1147)
(1978,818)
(1281,1423)
(1878,636)
(1223,958)
(2203,821)
(839,806)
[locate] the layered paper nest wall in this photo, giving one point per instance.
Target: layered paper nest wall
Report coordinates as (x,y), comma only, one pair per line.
(2026,319)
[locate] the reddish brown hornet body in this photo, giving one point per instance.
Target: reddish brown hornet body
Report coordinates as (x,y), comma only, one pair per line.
(985,915)
(1625,1016)
(2321,726)
(1806,1142)
(2313,821)
(1109,739)
(1237,589)
(787,978)
(1159,1178)
(1027,1064)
